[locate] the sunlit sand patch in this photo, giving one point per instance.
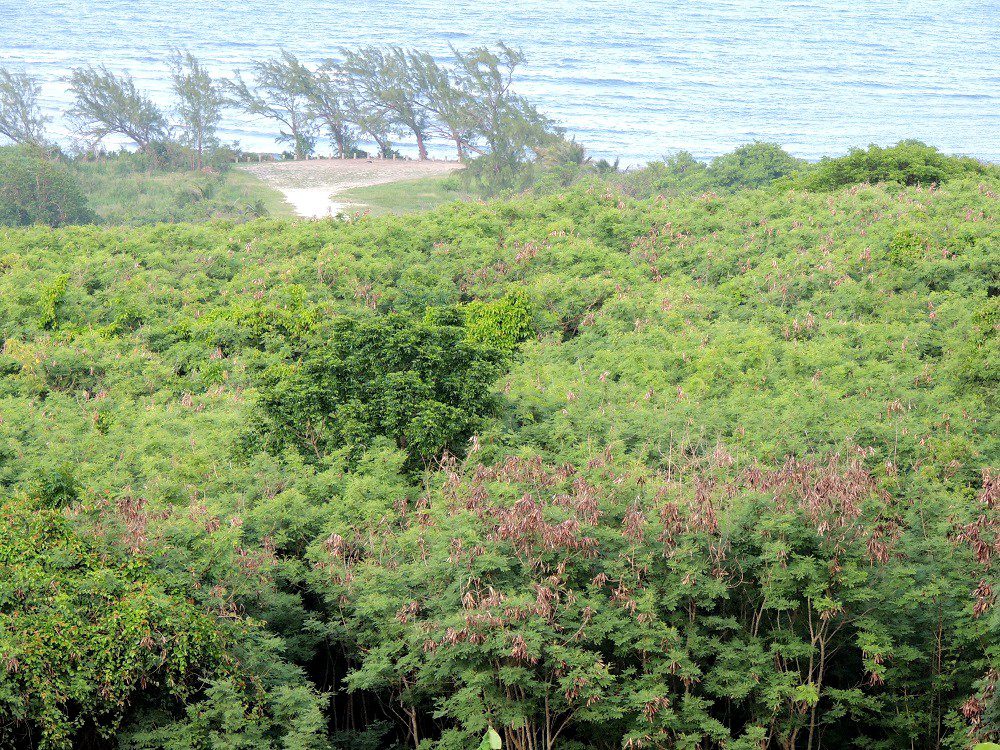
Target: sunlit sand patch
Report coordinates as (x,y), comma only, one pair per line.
(311,186)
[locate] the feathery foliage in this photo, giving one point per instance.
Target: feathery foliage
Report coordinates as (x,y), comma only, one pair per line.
(591,470)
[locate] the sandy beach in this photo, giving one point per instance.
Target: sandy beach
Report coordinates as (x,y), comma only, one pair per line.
(312,186)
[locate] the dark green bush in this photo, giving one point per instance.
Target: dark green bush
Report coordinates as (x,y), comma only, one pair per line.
(425,386)
(36,189)
(908,163)
(754,165)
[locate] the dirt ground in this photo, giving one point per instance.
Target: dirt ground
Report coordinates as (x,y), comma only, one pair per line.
(311,186)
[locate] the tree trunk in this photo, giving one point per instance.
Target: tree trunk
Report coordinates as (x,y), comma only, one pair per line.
(414,727)
(458,146)
(421,147)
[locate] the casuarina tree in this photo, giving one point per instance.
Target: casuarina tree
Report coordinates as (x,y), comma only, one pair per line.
(199,103)
(108,104)
(330,103)
(448,106)
(384,83)
(21,119)
(278,93)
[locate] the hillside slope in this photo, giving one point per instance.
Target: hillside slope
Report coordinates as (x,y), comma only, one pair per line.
(741,446)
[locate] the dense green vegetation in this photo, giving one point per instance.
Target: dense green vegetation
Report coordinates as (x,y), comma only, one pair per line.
(761,165)
(755,165)
(38,187)
(611,466)
(908,163)
(35,189)
(122,191)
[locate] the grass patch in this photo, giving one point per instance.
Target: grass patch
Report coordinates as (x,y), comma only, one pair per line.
(120,194)
(250,186)
(407,196)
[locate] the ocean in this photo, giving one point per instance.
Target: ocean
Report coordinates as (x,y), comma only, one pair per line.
(630,79)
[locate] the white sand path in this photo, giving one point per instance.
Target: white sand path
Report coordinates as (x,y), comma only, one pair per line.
(311,186)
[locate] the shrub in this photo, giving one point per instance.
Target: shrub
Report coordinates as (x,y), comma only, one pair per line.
(421,384)
(680,174)
(503,323)
(908,163)
(35,189)
(754,165)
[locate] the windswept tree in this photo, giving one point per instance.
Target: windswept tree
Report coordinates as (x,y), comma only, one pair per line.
(107,104)
(446,103)
(279,93)
(505,120)
(199,103)
(21,119)
(330,103)
(383,83)
(510,131)
(372,121)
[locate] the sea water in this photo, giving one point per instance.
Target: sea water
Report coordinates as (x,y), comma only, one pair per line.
(635,79)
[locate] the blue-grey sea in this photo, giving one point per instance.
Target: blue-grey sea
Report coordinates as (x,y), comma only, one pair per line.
(635,79)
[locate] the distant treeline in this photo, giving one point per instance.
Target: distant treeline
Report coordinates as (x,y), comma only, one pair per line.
(36,188)
(370,94)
